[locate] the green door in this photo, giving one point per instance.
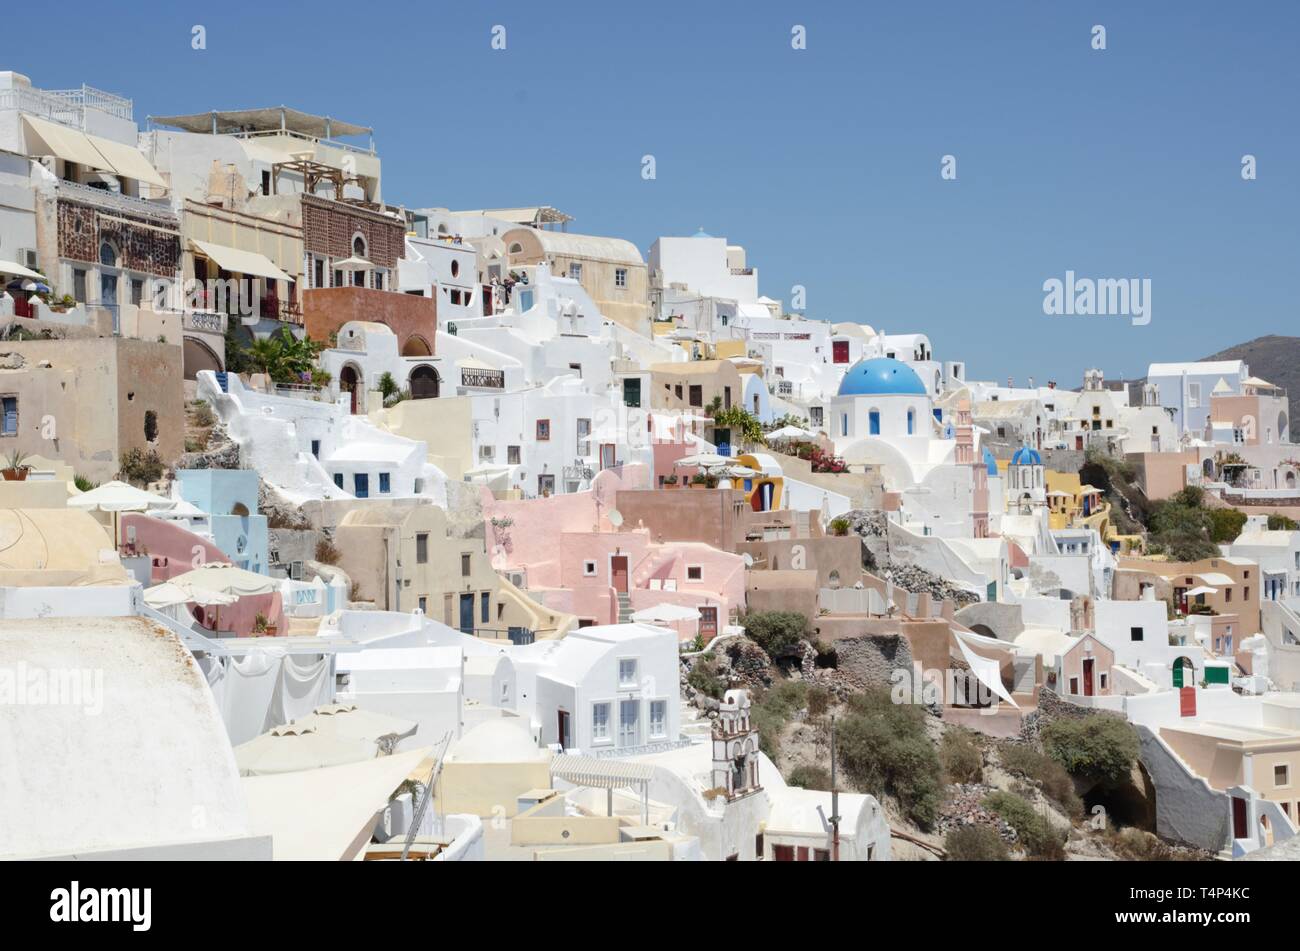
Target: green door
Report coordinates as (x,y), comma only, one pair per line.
(1178,672)
(1217,675)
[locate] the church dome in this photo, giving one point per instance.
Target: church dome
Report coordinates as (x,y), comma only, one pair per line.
(881,377)
(1026,456)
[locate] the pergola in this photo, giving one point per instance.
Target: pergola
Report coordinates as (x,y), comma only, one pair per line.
(607,774)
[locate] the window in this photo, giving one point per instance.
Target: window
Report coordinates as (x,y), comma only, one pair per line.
(338,479)
(589,569)
(359,246)
(1074,685)
(543,430)
(422,548)
(150,425)
(821,855)
(137,291)
(575,271)
(1193,395)
(315,448)
(1135,633)
(318,272)
(911,422)
(576,368)
(658,717)
(873,422)
(1281,775)
(9,422)
(694,573)
(697,395)
(1102,679)
(385,483)
(600,721)
(424,605)
(512,455)
(844,424)
(485,607)
(464,566)
(620,277)
(79,285)
(1227,594)
(455,268)
(627,672)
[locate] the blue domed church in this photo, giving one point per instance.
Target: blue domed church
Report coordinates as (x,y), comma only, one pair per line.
(879,397)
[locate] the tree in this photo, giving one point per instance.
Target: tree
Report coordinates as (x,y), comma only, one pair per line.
(1226,525)
(741,422)
(1098,747)
(884,748)
(774,631)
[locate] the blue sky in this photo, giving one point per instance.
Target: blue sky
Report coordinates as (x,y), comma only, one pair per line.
(824,163)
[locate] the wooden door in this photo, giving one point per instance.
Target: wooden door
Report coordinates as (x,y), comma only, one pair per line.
(618,570)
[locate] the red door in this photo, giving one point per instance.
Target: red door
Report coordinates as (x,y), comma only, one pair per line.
(840,351)
(1187,701)
(783,853)
(1238,818)
(1088,663)
(708,623)
(618,568)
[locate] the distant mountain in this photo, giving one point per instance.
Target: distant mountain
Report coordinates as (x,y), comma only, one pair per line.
(1273,358)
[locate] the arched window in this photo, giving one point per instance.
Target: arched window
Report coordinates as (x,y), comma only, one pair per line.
(107,254)
(516,248)
(359,246)
(455,268)
(911,421)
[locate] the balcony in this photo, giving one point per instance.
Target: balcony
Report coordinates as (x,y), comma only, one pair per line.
(116,201)
(66,106)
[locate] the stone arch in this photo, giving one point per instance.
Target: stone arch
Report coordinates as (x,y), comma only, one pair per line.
(424,382)
(416,346)
(350,382)
(197,355)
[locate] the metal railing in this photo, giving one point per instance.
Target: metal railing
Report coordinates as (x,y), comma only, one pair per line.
(116,201)
(66,106)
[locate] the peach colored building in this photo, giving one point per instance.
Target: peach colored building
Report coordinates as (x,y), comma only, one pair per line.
(1230,587)
(1085,668)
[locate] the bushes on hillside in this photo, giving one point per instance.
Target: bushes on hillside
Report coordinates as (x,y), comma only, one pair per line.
(704,678)
(884,749)
(961,759)
(1098,748)
(810,777)
(774,631)
(774,709)
(1050,776)
(975,844)
(1033,831)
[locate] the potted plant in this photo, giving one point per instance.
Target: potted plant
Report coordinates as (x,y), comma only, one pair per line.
(16,468)
(670,481)
(259,623)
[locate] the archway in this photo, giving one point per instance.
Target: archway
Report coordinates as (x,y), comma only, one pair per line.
(1184,674)
(350,383)
(424,382)
(416,346)
(196,356)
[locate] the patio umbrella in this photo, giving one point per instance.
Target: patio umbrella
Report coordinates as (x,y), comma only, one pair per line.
(704,460)
(169,594)
(1201,589)
(347,721)
(118,497)
(226,579)
(297,746)
(740,472)
(790,432)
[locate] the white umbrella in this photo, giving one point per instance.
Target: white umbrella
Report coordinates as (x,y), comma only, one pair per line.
(169,594)
(119,497)
(704,460)
(226,579)
(17,270)
(666,612)
(741,472)
(1202,589)
(790,432)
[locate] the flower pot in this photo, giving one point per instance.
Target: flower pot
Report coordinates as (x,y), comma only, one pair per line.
(15,475)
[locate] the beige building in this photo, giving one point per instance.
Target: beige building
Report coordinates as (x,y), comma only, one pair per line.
(610,270)
(86,402)
(694,385)
(404,557)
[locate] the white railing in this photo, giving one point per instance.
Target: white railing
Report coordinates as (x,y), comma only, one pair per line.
(66,106)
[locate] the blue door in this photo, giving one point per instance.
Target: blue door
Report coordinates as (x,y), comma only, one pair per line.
(361,485)
(467,613)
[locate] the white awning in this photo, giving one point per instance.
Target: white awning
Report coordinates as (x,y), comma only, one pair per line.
(14,269)
(240,262)
(600,773)
(128,161)
(68,144)
(95,151)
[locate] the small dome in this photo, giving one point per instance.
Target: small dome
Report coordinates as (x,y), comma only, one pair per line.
(881,376)
(1026,456)
(701,234)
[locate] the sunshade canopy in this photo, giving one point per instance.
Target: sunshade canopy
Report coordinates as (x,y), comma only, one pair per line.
(169,594)
(94,151)
(666,612)
(227,579)
(119,497)
(240,262)
(17,270)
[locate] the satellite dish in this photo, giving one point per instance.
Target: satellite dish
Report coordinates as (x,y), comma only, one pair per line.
(748,560)
(615,517)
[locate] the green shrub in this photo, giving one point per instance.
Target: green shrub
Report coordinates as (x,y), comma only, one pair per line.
(140,466)
(1097,747)
(1036,835)
(773,709)
(774,631)
(1050,776)
(1226,525)
(961,758)
(884,748)
(704,678)
(810,777)
(82,483)
(975,844)
(839,526)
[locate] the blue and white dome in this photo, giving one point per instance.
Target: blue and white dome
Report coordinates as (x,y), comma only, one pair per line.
(881,376)
(1026,456)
